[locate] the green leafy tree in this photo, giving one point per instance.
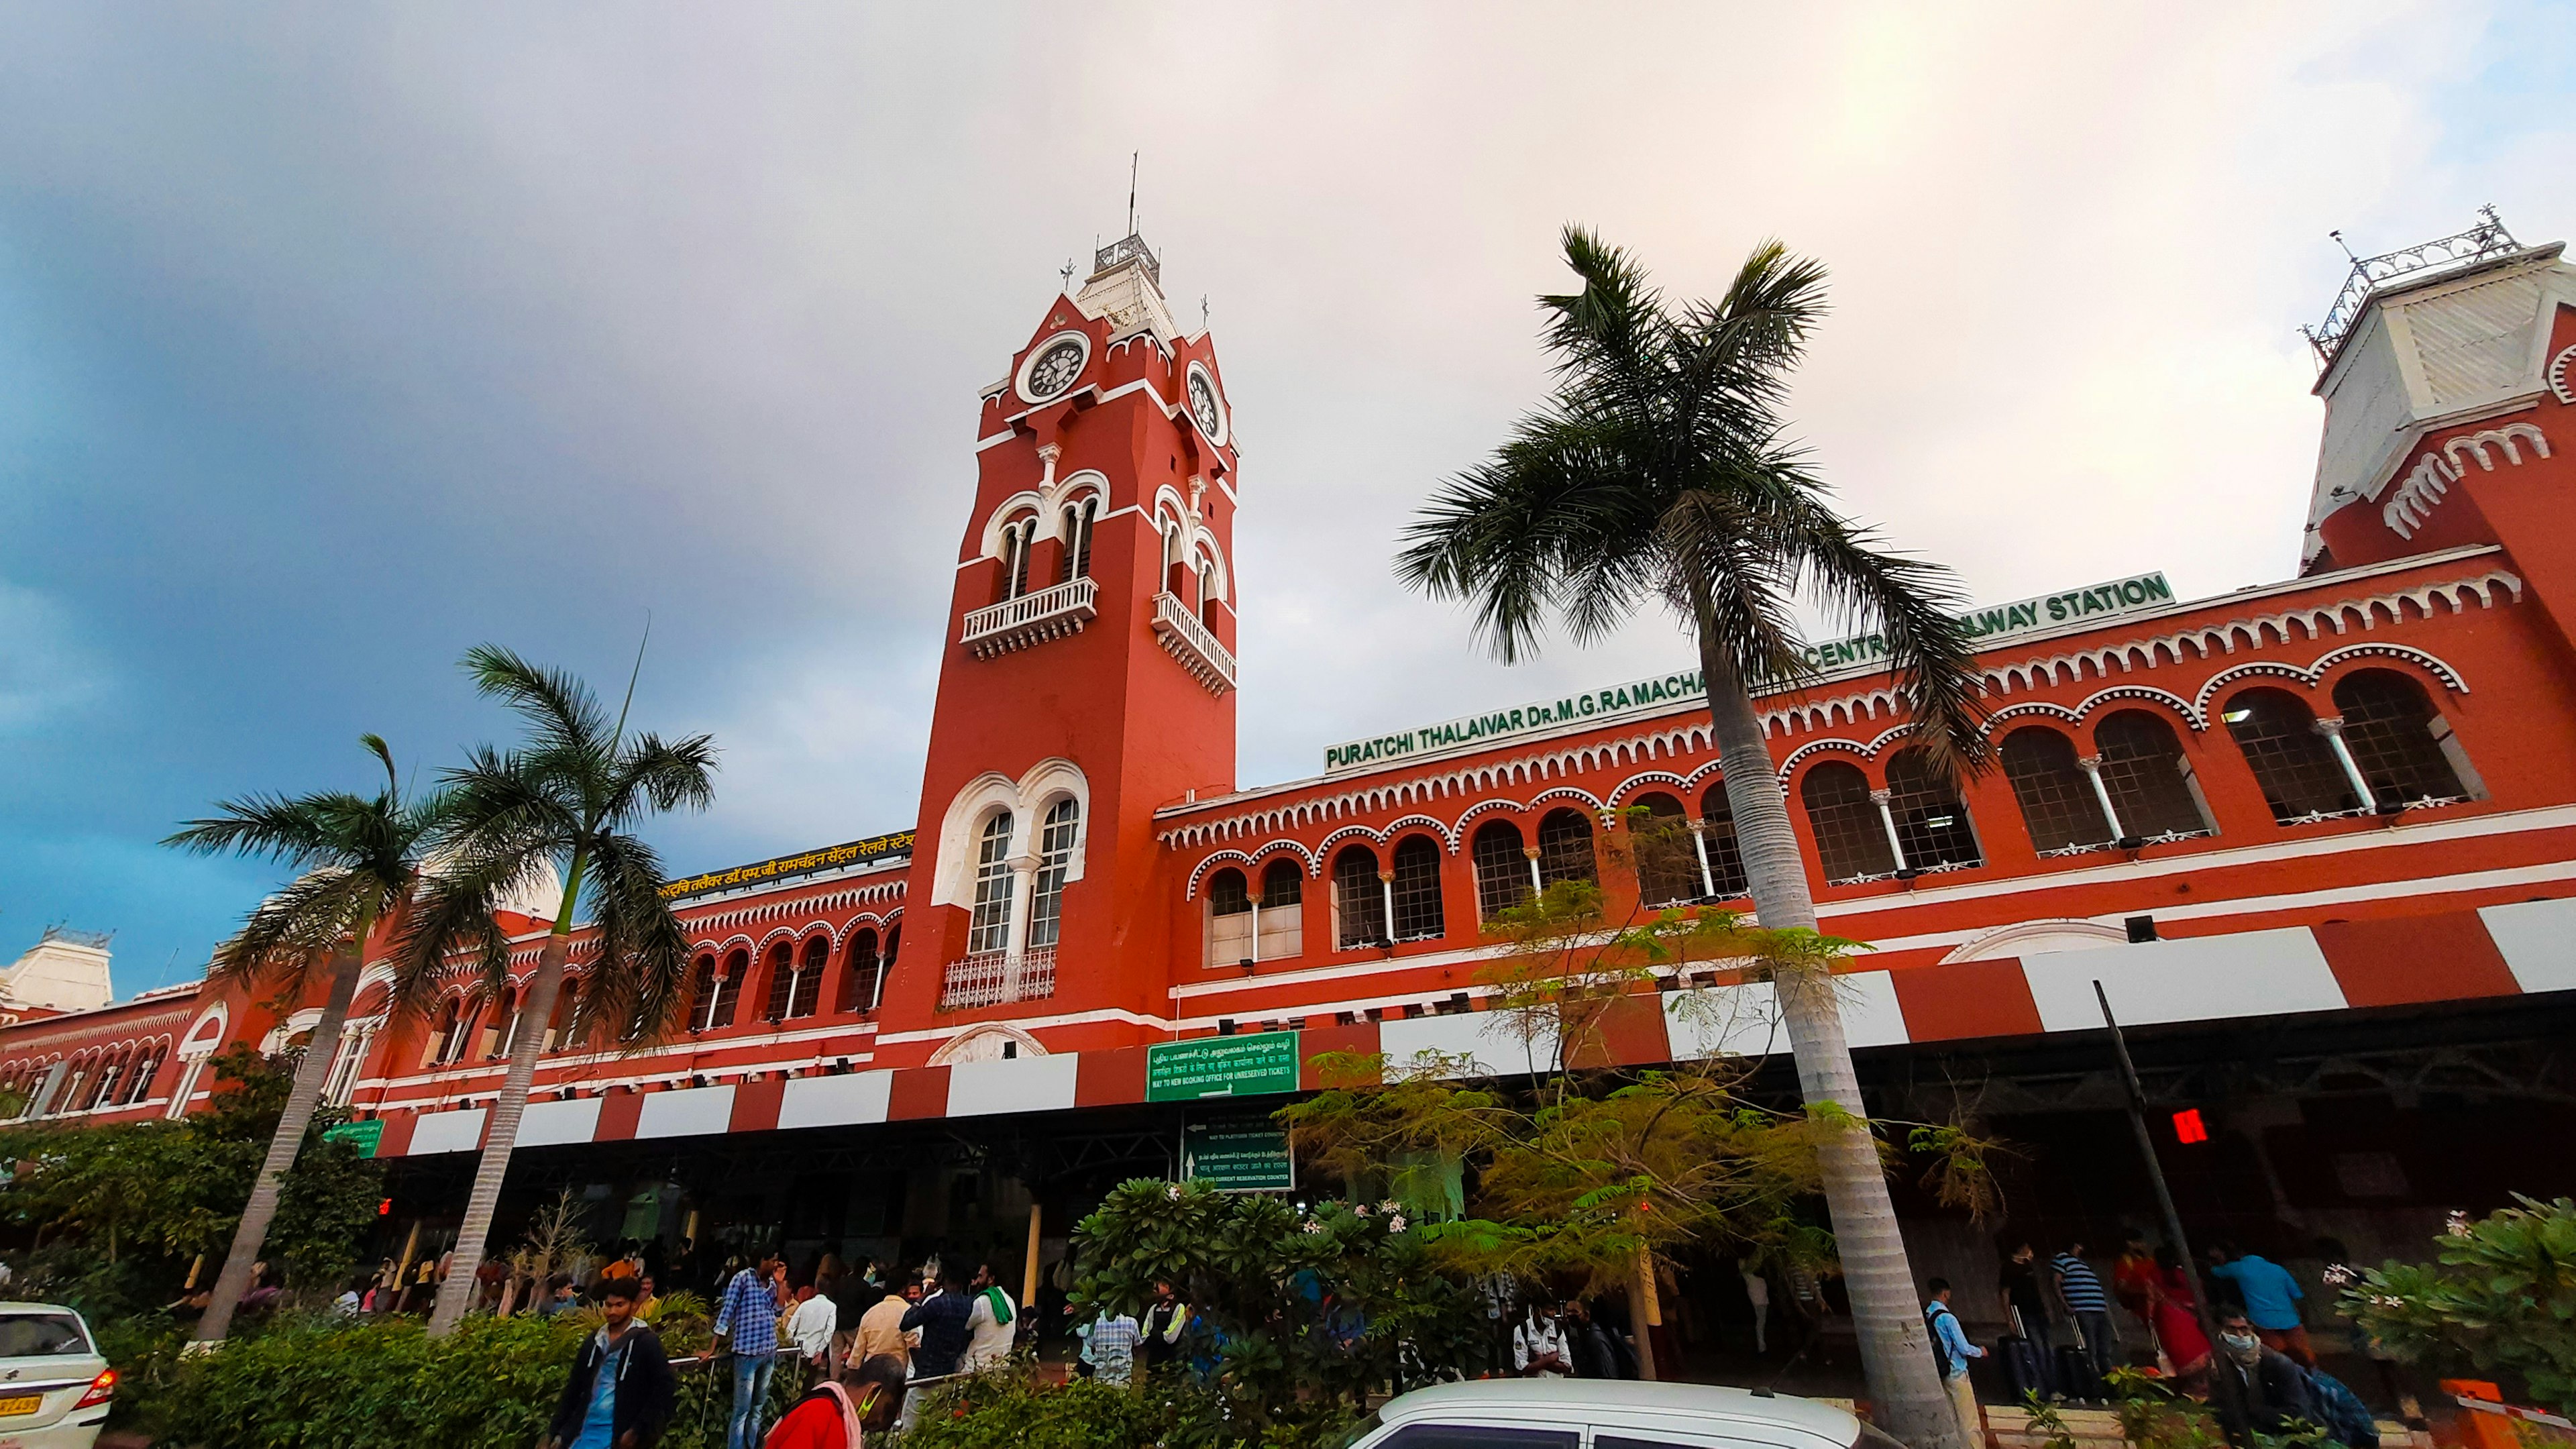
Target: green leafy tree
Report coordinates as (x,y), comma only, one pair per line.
(1657,474)
(360,858)
(566,802)
(2501,1293)
(1338,1298)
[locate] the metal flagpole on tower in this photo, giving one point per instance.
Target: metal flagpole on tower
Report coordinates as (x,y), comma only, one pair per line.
(1132,158)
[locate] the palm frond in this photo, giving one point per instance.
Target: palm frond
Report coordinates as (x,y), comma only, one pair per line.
(640,984)
(297,830)
(449,929)
(562,713)
(666,775)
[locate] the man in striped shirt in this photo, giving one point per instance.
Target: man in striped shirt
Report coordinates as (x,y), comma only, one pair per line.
(2080,1289)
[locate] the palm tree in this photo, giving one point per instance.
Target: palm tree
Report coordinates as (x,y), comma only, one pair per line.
(566,801)
(1657,474)
(361,858)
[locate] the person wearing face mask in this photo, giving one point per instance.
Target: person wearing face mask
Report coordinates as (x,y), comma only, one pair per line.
(2270,1389)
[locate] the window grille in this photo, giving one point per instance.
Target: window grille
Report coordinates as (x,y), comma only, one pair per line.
(737,966)
(2057,800)
(1502,870)
(1359,906)
(1931,822)
(2388,726)
(782,982)
(808,996)
(1229,905)
(1851,840)
(2149,780)
(1418,916)
(859,980)
(1667,863)
(2293,764)
(1726,877)
(1565,848)
(702,999)
(988,927)
(1283,911)
(1078,521)
(1055,862)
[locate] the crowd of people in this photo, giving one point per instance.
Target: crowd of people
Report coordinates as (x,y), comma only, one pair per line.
(2063,1342)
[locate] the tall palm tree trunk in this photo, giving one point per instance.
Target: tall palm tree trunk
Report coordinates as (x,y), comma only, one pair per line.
(301,1099)
(1895,1348)
(502,1134)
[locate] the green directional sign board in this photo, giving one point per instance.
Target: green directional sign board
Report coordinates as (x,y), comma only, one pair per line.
(1221,1066)
(361,1135)
(1238,1156)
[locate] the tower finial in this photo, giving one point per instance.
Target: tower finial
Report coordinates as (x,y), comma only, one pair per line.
(1066,272)
(2347,247)
(1133,157)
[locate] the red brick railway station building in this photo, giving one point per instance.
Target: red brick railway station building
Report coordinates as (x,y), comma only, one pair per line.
(2315,837)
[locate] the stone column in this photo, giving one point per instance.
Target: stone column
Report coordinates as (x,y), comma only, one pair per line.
(1024,881)
(2331,726)
(1887,818)
(2092,766)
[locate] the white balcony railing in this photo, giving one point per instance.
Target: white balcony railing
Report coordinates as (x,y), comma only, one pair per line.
(984,979)
(1188,640)
(1031,618)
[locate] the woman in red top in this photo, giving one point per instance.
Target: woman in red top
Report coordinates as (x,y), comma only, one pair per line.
(833,1414)
(2176,1320)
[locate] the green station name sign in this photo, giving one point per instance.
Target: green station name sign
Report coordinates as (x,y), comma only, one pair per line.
(1999,621)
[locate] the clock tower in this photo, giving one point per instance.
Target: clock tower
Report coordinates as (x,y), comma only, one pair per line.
(1087,678)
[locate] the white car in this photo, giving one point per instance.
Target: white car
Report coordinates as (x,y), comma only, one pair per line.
(1608,1414)
(54,1386)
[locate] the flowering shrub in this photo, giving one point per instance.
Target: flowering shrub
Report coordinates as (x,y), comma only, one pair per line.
(2502,1295)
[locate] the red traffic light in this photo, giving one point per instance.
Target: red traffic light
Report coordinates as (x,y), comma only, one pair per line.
(2188,1127)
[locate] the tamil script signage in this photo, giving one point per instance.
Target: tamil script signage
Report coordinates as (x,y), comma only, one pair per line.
(1221,1066)
(364,1136)
(2000,621)
(1238,1156)
(788,867)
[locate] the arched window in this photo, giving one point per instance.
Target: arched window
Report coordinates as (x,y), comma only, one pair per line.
(1667,862)
(1416,890)
(1851,838)
(859,982)
(1019,542)
(1078,522)
(448,1037)
(1504,877)
(2293,764)
(988,927)
(2057,800)
(1359,899)
(1282,928)
(568,1005)
(1055,863)
(1229,908)
(808,996)
(702,995)
(1931,823)
(1565,848)
(1207,591)
(1725,877)
(2404,749)
(737,969)
(2149,779)
(782,982)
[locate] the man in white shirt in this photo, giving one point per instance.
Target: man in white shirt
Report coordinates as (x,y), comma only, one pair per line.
(811,1326)
(990,1322)
(1538,1346)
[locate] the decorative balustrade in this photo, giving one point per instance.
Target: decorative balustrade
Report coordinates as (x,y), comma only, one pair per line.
(1187,639)
(984,979)
(1031,618)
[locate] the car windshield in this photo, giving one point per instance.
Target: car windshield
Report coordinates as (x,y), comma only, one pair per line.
(1361,1430)
(39,1335)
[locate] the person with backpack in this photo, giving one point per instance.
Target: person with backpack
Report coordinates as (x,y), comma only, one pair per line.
(1951,1351)
(988,1323)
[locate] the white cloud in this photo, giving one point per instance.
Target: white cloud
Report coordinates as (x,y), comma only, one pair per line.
(46,674)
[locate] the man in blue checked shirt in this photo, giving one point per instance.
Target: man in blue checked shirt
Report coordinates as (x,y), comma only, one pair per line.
(748,1323)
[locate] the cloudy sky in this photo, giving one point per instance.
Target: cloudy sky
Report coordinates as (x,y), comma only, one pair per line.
(337,338)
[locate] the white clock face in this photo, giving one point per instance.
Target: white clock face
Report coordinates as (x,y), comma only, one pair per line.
(1057,365)
(1204,406)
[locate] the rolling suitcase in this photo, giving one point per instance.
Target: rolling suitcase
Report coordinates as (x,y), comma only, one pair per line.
(2023,1375)
(2075,1376)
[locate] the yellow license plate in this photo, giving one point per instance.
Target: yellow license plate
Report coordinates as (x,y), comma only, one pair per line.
(22,1404)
